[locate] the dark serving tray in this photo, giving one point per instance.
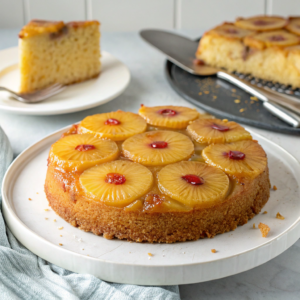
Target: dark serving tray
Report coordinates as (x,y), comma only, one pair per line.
(223,100)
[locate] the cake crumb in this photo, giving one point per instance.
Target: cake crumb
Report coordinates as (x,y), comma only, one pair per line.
(46,218)
(54,220)
(242,109)
(279,216)
(60,228)
(150,254)
(200,93)
(237,101)
(265,212)
(213,250)
(225,120)
(214,97)
(37,192)
(29,199)
(254,98)
(60,235)
(60,244)
(254,226)
(264,229)
(46,209)
(274,187)
(206,92)
(233,90)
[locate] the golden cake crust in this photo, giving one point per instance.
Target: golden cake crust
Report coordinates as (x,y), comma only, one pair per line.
(245,201)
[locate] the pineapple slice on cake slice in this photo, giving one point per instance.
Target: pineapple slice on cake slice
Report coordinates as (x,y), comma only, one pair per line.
(261,23)
(229,30)
(239,159)
(278,38)
(117,183)
(158,148)
(293,25)
(117,125)
(176,117)
(211,131)
(193,183)
(78,152)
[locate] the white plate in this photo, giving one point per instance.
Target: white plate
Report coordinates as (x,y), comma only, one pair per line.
(113,80)
(125,262)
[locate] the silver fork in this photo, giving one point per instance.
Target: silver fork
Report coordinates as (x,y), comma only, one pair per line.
(37,96)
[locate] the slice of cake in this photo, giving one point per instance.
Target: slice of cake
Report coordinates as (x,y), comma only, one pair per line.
(266,47)
(58,52)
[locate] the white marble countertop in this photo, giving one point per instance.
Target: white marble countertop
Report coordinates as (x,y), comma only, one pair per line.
(278,278)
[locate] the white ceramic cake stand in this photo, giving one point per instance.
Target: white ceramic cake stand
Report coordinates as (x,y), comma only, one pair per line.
(125,262)
(113,80)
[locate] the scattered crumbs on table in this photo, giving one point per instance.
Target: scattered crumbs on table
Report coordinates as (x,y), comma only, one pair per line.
(274,187)
(88,255)
(264,229)
(129,252)
(79,240)
(254,226)
(54,220)
(37,192)
(225,120)
(200,93)
(46,209)
(150,254)
(215,97)
(149,257)
(60,244)
(254,98)
(29,199)
(213,250)
(60,228)
(206,92)
(233,90)
(237,101)
(251,102)
(279,216)
(265,212)
(183,252)
(46,218)
(242,109)
(60,235)
(246,101)
(82,248)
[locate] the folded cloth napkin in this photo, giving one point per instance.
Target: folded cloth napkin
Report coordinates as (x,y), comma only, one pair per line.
(24,275)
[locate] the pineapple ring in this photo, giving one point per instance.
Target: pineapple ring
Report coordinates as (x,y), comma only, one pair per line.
(261,23)
(294,25)
(176,117)
(117,125)
(63,153)
(158,148)
(216,131)
(229,30)
(251,164)
(279,38)
(212,187)
(138,181)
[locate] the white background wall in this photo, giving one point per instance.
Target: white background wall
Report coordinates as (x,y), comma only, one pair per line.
(132,15)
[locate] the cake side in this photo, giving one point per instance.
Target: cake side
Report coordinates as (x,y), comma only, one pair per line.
(242,204)
(58,53)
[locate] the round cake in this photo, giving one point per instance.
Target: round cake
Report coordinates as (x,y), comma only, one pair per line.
(165,175)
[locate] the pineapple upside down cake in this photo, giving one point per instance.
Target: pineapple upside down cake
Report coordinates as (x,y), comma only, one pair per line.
(267,47)
(164,175)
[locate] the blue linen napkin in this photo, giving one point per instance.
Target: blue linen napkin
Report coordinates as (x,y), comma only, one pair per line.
(23,275)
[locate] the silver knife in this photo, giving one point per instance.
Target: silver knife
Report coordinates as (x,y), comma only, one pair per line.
(181,51)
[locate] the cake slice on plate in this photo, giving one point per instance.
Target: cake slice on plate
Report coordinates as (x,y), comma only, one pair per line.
(58,52)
